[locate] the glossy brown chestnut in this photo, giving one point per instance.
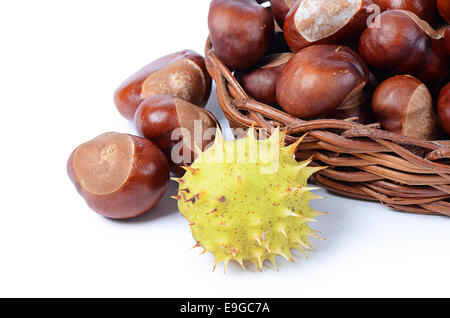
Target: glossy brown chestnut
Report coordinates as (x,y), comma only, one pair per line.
(182,74)
(173,125)
(424,9)
(241,31)
(443,108)
(447,39)
(261,82)
(444,9)
(326,22)
(280,9)
(405,44)
(319,79)
(403,104)
(120,176)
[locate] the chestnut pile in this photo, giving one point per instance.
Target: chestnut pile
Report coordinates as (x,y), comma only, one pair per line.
(122,176)
(382,61)
(379,60)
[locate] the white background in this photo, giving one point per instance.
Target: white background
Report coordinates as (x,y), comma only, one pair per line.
(60,63)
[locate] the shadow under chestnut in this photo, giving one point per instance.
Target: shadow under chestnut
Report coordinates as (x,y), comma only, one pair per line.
(163,208)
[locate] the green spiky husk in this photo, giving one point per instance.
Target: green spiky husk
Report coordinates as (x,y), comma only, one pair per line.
(241,207)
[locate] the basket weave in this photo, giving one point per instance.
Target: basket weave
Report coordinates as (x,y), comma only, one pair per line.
(364,161)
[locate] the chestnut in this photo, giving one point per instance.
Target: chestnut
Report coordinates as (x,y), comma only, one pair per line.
(280,9)
(120,176)
(447,39)
(182,74)
(405,44)
(326,22)
(319,79)
(424,9)
(174,125)
(443,108)
(403,104)
(241,31)
(261,82)
(443,7)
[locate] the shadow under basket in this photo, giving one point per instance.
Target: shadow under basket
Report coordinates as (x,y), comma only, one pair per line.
(365,162)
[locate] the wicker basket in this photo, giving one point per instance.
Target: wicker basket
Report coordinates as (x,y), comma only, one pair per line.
(364,161)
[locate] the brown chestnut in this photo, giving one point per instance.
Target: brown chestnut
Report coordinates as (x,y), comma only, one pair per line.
(424,9)
(447,39)
(326,22)
(182,74)
(443,7)
(280,9)
(443,108)
(241,31)
(403,104)
(174,125)
(120,176)
(279,44)
(261,82)
(404,44)
(319,79)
